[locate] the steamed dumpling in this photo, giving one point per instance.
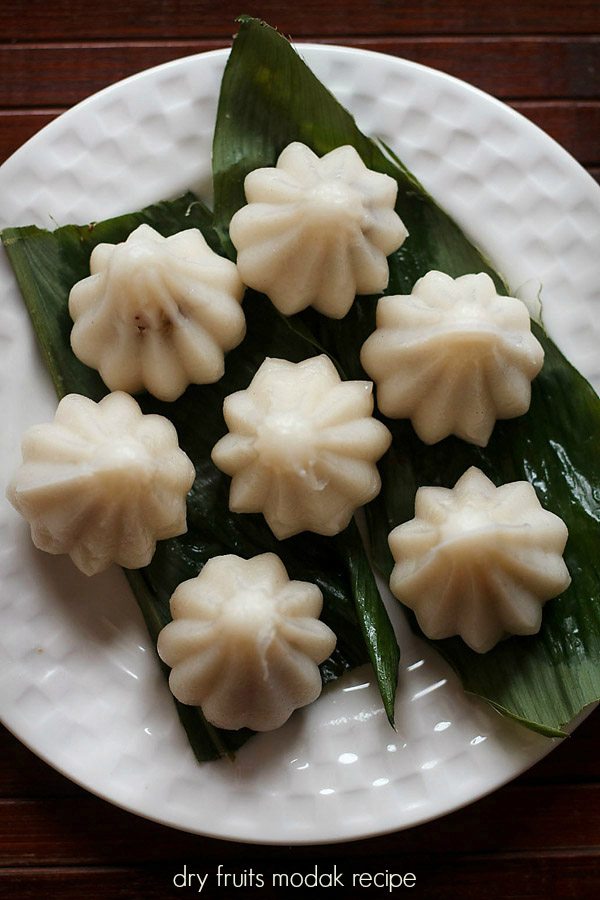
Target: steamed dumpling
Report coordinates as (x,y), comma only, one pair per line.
(478,560)
(453,356)
(157,313)
(302,447)
(245,642)
(316,232)
(102,482)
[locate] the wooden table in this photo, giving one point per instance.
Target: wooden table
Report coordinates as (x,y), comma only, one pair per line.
(538,837)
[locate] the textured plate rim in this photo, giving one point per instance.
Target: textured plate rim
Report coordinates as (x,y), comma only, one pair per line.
(30,147)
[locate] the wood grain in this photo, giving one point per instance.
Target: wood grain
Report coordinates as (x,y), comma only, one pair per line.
(538,837)
(86,830)
(507,68)
(566,875)
(77,20)
(17,126)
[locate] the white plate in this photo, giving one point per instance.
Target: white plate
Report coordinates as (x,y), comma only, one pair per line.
(80,682)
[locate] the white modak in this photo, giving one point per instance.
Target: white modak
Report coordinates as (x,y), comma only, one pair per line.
(453,357)
(317,231)
(157,313)
(478,560)
(102,482)
(245,642)
(302,447)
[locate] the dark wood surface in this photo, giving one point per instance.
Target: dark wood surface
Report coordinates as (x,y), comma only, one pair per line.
(537,837)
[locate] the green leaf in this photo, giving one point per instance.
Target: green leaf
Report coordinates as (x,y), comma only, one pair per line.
(374,621)
(47,264)
(269,98)
(63,257)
